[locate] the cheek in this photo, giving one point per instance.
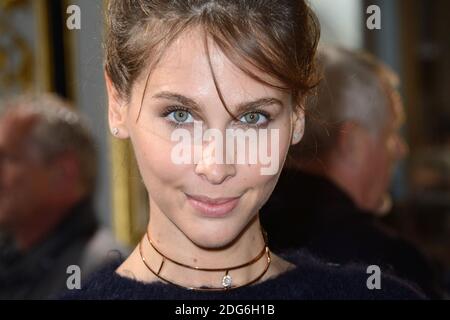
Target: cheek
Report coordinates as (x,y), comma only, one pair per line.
(10,174)
(251,176)
(25,188)
(153,155)
(385,159)
(17,177)
(380,167)
(261,185)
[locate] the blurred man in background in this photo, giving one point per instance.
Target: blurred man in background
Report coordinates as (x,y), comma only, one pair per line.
(47,182)
(337,179)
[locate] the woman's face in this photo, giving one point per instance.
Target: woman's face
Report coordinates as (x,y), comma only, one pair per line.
(209,202)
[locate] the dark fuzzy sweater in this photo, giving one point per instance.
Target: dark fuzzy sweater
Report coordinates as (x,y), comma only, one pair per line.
(311,279)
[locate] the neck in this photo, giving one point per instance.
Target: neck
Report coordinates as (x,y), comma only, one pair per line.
(176,245)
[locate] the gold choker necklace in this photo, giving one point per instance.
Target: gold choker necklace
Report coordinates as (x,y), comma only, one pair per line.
(226,280)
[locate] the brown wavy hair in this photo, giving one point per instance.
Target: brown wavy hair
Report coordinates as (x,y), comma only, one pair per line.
(277,37)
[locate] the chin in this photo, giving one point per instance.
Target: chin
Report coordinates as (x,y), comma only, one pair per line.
(213,237)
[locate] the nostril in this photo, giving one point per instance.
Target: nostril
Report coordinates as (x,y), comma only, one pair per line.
(215,173)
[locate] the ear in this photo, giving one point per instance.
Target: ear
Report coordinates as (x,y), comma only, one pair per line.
(117,112)
(298,125)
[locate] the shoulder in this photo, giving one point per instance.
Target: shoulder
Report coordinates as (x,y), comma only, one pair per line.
(101,248)
(107,284)
(321,280)
(102,284)
(309,279)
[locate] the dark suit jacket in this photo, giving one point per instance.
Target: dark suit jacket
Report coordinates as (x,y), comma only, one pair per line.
(308,211)
(41,272)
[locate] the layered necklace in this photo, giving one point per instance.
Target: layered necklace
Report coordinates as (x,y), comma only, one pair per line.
(226,282)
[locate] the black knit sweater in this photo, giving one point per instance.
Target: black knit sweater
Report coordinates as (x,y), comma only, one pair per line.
(310,279)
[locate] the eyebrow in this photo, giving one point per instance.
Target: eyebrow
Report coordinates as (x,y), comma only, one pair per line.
(241,107)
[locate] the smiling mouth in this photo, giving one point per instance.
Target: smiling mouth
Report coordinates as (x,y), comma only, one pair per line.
(213,207)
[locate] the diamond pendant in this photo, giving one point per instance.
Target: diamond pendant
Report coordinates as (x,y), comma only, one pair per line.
(227,281)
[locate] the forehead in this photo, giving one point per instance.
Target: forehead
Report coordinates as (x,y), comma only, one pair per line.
(185,66)
(14,128)
(397,108)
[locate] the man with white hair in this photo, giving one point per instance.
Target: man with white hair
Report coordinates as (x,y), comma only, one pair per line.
(47,181)
(338,177)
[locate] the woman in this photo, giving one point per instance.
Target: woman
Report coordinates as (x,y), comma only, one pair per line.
(222,67)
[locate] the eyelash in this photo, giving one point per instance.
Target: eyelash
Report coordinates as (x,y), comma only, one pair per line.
(172,109)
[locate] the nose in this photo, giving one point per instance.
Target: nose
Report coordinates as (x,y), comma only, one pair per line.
(215,171)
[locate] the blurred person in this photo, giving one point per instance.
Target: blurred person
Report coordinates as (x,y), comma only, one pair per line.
(47,182)
(337,181)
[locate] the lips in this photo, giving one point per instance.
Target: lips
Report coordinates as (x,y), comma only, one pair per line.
(215,208)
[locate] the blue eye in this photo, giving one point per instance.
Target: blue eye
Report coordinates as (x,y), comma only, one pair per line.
(180,116)
(254,118)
